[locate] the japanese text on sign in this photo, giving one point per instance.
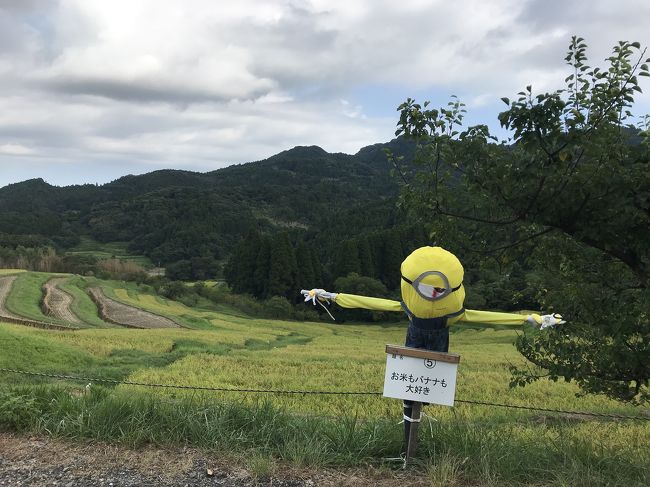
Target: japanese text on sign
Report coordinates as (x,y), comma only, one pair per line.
(419,379)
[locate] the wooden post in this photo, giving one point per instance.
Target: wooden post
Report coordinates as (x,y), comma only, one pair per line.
(412,438)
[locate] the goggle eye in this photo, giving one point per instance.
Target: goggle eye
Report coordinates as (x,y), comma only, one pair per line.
(429,291)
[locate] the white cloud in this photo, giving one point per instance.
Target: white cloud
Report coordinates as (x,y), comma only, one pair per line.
(16,150)
(199,84)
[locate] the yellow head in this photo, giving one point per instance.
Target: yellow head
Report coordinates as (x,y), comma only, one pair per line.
(432,282)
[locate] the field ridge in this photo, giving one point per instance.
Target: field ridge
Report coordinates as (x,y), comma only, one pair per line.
(125,315)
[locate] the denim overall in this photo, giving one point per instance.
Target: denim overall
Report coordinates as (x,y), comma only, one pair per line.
(428,333)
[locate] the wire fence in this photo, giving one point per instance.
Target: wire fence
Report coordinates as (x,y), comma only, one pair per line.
(100,380)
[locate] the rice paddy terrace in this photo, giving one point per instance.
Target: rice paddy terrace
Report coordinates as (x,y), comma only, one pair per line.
(125,332)
(60,301)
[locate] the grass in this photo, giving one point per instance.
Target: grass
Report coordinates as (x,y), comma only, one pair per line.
(452,453)
(26,295)
(459,446)
(8,272)
(110,250)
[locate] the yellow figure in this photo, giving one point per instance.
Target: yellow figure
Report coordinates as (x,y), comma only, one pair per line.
(432,296)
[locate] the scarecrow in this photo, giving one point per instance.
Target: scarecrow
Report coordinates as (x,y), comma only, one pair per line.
(432,298)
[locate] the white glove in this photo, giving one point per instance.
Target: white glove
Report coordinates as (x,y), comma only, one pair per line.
(320,294)
(545,320)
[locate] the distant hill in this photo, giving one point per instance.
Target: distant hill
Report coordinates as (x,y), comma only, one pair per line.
(171,215)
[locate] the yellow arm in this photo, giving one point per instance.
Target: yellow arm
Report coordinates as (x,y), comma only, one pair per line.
(377,304)
(493,317)
(468,316)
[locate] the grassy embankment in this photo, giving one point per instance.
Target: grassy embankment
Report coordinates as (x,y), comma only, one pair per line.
(26,294)
(466,444)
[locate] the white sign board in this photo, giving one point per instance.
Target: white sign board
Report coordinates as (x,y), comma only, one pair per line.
(420,379)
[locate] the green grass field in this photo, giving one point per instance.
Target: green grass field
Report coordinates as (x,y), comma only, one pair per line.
(8,272)
(464,445)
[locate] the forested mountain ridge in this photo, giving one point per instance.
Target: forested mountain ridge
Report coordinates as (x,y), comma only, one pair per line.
(174,215)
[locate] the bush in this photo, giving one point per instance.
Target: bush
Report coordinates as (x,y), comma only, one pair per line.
(278,307)
(16,411)
(173,290)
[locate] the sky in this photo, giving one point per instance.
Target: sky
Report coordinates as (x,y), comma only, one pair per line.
(92,90)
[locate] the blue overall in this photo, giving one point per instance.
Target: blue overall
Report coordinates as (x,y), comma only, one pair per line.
(428,333)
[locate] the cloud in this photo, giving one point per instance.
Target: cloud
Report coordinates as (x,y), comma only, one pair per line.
(16,150)
(137,86)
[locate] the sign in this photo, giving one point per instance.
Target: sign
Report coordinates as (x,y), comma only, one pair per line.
(420,375)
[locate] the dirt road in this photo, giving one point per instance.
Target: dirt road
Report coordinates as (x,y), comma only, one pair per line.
(40,461)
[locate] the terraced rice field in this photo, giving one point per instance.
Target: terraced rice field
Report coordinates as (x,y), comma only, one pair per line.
(57,303)
(126,315)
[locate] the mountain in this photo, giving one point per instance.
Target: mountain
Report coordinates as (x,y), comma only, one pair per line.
(172,215)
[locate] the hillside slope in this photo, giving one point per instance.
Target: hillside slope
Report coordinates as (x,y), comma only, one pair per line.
(171,215)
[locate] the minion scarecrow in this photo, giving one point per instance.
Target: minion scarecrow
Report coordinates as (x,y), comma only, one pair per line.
(432,298)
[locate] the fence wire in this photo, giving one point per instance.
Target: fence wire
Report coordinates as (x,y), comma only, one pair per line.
(99,380)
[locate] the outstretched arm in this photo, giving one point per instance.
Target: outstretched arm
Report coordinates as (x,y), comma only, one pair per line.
(352,300)
(496,318)
(365,302)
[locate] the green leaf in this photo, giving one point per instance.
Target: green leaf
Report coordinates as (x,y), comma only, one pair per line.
(506,100)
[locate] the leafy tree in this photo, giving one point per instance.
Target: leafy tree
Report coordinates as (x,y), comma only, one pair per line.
(173,289)
(241,269)
(316,266)
(282,268)
(260,278)
(346,259)
(305,273)
(569,196)
(391,259)
(366,264)
(366,286)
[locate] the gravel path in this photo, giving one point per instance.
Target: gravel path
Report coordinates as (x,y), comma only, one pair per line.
(57,302)
(122,314)
(42,461)
(5,287)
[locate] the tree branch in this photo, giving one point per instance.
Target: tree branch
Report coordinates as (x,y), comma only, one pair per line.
(510,245)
